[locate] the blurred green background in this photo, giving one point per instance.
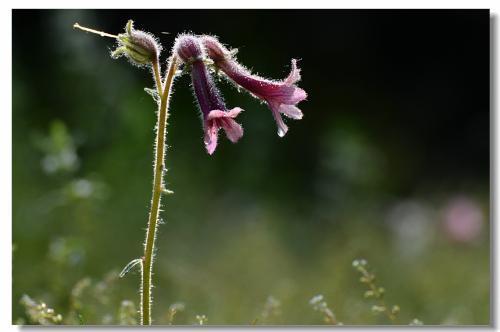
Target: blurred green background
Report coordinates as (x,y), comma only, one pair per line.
(390,164)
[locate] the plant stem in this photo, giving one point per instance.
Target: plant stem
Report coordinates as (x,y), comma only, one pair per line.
(149,245)
(156,73)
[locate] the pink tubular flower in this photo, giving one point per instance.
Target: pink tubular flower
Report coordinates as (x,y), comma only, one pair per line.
(281,96)
(213,108)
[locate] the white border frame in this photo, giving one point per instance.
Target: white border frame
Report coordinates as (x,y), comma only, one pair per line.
(6,121)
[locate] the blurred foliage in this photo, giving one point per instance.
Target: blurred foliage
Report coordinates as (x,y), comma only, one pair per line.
(39,313)
(319,304)
(390,163)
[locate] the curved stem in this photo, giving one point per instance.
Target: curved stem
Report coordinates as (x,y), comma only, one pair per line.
(157,77)
(149,245)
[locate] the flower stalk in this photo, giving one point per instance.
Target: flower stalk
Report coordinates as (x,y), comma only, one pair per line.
(149,245)
(196,54)
(141,49)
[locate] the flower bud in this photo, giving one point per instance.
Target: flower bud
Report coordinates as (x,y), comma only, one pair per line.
(188,48)
(140,47)
(215,50)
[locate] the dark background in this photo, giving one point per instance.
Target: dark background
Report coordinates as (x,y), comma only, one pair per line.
(395,132)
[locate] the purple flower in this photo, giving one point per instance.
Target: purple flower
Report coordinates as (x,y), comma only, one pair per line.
(213,108)
(281,96)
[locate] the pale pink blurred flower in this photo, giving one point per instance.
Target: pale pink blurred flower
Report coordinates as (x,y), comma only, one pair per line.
(463,220)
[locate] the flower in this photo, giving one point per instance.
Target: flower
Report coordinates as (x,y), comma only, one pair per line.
(281,96)
(213,108)
(463,220)
(139,47)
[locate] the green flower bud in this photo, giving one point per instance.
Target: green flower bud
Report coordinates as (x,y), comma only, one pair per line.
(140,47)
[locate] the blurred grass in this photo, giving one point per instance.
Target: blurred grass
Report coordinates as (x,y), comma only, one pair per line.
(267,217)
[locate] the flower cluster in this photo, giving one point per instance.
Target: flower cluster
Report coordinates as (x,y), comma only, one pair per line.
(215,114)
(198,53)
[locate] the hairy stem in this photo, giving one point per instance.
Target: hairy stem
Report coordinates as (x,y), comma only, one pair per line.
(149,245)
(156,73)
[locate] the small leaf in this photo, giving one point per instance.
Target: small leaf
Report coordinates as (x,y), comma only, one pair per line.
(153,93)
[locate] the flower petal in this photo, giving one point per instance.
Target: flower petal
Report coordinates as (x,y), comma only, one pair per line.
(291,111)
(233,130)
(224,120)
(294,75)
(295,96)
(282,127)
(215,114)
(217,119)
(211,135)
